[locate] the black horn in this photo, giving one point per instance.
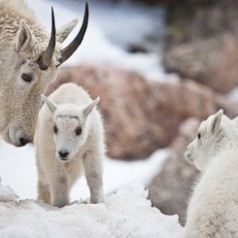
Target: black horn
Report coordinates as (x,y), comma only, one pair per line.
(46,56)
(72,47)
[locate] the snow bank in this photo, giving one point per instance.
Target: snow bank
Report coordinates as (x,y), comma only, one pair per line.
(126,213)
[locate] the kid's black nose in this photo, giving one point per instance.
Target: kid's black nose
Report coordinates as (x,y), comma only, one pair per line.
(63,154)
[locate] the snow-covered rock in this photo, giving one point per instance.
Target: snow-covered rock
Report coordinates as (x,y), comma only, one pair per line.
(126,213)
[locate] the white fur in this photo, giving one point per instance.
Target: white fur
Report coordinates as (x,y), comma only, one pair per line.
(67,109)
(213,208)
(22,41)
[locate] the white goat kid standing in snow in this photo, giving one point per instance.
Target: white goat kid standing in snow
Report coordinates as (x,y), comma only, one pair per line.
(213,208)
(29,58)
(69,138)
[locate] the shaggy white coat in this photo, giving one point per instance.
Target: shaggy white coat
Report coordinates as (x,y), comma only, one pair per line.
(213,208)
(68,109)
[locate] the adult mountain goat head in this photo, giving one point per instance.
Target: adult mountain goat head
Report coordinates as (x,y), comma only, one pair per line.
(29,58)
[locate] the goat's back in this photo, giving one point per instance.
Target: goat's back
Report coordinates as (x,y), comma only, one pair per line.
(215,198)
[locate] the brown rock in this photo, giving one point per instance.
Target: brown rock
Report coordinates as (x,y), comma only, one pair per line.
(140,115)
(171,188)
(210,62)
(201,43)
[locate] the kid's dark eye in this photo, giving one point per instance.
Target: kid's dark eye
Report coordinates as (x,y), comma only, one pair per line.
(27,77)
(78,131)
(55,129)
(199,136)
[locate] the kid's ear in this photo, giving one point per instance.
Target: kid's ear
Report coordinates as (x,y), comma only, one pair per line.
(216,122)
(23,38)
(51,105)
(89,108)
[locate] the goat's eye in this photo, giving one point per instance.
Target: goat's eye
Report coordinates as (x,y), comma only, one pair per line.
(199,136)
(78,131)
(27,77)
(55,129)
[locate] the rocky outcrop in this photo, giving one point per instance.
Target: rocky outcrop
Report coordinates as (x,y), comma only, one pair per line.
(140,115)
(171,188)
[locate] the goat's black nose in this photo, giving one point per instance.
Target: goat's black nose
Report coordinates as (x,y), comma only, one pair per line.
(63,154)
(23,141)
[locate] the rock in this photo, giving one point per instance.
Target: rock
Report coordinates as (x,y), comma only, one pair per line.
(201,43)
(212,62)
(140,115)
(171,188)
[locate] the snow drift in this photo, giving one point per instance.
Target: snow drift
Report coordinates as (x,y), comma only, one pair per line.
(126,213)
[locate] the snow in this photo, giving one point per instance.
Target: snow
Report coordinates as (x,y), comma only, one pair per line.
(126,213)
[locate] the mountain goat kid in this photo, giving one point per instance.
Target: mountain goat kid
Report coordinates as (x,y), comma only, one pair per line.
(213,208)
(69,137)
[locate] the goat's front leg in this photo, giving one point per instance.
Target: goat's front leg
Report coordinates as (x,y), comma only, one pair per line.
(43,192)
(94,175)
(59,191)
(43,186)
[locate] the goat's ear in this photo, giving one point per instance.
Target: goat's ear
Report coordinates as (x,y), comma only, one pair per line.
(51,105)
(63,32)
(216,122)
(23,37)
(90,107)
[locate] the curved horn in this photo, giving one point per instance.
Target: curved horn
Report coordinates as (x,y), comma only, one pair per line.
(72,47)
(46,56)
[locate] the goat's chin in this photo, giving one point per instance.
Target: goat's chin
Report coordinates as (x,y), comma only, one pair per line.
(64,160)
(5,136)
(7,139)
(199,166)
(16,136)
(190,160)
